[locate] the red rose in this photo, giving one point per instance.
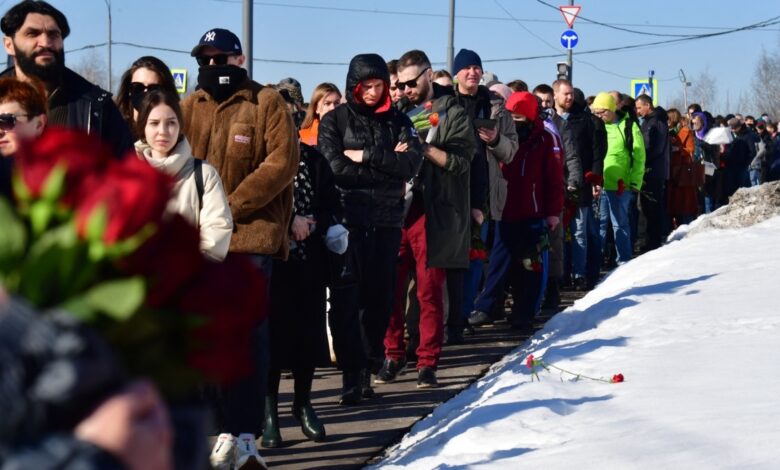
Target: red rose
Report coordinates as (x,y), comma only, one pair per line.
(434,119)
(133,195)
(229,299)
(621,187)
(617,378)
(168,260)
(83,158)
(594,179)
(529,362)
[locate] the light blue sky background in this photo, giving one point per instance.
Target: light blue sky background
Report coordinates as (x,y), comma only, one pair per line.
(335,30)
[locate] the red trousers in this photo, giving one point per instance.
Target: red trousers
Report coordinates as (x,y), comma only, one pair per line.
(430,286)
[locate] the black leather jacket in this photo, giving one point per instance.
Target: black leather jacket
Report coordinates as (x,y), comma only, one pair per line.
(91,108)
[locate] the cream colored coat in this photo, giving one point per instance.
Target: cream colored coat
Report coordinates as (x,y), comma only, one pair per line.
(213,219)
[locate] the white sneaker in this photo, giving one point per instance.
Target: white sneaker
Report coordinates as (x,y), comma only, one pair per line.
(223,455)
(248,457)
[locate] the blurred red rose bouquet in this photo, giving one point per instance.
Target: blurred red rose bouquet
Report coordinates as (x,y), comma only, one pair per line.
(89,234)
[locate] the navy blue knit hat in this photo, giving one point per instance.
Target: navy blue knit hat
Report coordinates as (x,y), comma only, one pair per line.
(465,58)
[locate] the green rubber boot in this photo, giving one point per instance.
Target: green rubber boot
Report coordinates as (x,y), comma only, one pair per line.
(311,425)
(271,436)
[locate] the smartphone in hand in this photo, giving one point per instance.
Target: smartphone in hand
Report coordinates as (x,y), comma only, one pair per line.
(485,123)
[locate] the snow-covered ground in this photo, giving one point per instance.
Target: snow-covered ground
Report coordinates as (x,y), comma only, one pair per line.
(694,327)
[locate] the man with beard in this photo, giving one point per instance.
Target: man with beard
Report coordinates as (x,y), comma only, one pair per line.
(246,132)
(34,34)
(585,138)
(435,235)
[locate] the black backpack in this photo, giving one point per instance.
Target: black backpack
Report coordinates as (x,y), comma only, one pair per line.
(199,181)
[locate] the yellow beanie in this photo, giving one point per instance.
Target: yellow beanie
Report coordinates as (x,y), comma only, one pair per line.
(604,101)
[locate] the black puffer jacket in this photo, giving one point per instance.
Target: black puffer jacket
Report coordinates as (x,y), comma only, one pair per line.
(371,191)
(655,130)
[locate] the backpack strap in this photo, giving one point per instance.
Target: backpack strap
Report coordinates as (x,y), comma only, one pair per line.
(199,181)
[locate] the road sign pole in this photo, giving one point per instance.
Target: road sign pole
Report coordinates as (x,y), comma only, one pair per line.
(569,56)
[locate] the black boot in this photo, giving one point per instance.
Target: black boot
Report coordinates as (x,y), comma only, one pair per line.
(271,435)
(366,391)
(311,425)
(351,392)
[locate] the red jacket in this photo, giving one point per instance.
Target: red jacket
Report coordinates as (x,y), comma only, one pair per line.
(534,183)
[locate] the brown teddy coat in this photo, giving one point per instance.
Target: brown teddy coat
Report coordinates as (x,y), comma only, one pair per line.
(251,140)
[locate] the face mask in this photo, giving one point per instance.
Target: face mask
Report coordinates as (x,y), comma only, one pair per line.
(221,81)
(523,130)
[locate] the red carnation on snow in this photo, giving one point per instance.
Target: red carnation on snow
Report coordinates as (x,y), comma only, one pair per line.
(617,378)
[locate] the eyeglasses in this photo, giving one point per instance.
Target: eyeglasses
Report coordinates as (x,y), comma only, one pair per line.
(219,59)
(410,83)
(8,121)
(138,88)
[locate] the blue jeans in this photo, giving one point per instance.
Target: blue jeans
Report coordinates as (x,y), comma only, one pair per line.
(755,177)
(495,280)
(618,208)
(586,244)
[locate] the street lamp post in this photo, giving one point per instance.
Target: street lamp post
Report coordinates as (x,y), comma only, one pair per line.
(108,5)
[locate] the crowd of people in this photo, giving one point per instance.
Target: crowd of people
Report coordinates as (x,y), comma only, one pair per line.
(411,203)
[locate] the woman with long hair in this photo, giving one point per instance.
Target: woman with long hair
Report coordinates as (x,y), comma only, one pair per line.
(198,194)
(325,98)
(145,74)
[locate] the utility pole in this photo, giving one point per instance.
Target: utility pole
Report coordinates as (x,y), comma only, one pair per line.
(685,84)
(570,56)
(108,5)
(451,37)
(247,41)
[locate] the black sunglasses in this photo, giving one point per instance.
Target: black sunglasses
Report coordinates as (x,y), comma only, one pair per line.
(219,59)
(8,121)
(138,88)
(410,83)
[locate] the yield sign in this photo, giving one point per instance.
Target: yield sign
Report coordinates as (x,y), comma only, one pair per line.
(570,14)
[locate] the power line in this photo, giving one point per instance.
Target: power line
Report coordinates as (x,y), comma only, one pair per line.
(470,17)
(606,25)
(769,22)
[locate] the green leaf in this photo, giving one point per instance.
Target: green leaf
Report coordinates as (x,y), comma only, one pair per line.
(119,299)
(55,183)
(41,213)
(21,190)
(97,223)
(13,239)
(50,265)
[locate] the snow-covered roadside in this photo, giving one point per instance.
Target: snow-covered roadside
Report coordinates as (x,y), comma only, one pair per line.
(693,327)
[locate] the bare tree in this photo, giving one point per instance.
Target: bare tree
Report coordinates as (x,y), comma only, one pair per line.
(766,88)
(92,66)
(704,90)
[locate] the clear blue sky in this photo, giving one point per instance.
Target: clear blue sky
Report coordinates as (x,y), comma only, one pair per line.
(335,30)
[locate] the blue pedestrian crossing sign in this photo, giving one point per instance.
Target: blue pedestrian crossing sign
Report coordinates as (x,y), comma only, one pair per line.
(569,39)
(180,79)
(642,87)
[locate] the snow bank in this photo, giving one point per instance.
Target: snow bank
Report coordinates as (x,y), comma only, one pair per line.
(693,327)
(748,206)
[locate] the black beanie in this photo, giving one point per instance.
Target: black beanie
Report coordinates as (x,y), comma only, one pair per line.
(465,58)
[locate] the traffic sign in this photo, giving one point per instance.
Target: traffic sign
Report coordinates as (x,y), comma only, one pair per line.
(180,79)
(569,39)
(642,87)
(570,13)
